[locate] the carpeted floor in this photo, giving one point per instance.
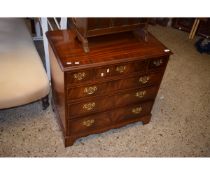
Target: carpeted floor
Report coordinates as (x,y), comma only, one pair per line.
(180,125)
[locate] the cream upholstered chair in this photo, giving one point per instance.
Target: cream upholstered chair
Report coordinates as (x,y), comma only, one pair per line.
(22,76)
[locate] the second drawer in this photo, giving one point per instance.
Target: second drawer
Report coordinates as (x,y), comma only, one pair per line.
(111,86)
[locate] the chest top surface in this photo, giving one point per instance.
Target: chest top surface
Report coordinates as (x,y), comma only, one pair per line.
(109,49)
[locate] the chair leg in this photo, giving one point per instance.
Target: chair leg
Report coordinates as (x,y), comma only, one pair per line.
(45,102)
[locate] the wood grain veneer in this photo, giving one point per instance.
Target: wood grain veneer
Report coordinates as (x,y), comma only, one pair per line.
(112,85)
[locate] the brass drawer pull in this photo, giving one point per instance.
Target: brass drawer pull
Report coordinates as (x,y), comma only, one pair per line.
(80,75)
(88,122)
(144,79)
(90,90)
(158,62)
(89,106)
(137,110)
(120,69)
(140,94)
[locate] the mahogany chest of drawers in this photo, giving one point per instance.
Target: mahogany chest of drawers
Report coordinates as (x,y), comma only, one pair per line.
(111,86)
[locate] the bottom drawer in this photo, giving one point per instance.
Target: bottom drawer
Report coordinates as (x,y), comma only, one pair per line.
(108,119)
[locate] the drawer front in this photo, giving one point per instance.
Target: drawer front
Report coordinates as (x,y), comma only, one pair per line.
(120,69)
(88,107)
(135,96)
(110,102)
(99,121)
(88,124)
(88,75)
(111,86)
(132,112)
(157,63)
(79,76)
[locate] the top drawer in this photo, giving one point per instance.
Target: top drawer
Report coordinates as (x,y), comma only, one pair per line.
(88,75)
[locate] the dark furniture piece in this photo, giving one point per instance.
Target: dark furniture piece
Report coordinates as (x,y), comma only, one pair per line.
(186,24)
(111,86)
(91,27)
(161,21)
